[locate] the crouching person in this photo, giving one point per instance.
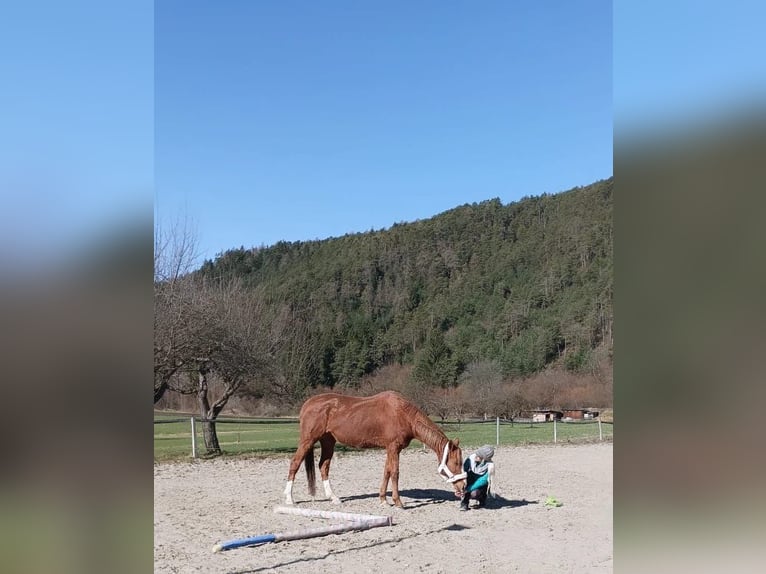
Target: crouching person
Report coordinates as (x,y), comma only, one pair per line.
(479,470)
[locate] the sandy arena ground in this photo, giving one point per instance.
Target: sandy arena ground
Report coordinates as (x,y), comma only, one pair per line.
(200,503)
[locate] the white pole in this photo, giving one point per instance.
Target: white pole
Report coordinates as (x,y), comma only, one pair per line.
(554,429)
(600,436)
(497,433)
(194,439)
(347,516)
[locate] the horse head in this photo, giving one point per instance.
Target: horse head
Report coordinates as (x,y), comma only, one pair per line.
(452,466)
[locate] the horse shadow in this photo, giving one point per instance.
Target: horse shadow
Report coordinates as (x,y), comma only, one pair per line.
(427,496)
(418,497)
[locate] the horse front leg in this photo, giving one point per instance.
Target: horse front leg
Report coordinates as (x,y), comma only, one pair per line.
(394,457)
(328,449)
(384,484)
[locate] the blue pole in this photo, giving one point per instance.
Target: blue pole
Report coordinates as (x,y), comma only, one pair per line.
(252,541)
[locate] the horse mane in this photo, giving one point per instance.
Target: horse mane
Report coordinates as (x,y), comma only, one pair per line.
(425,430)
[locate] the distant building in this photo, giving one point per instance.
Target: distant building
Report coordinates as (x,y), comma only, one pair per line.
(579,414)
(548,415)
(543,415)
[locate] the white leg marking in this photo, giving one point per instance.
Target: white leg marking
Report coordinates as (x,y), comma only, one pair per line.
(289,492)
(329,493)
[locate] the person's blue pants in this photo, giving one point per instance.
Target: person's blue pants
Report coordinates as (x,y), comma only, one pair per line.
(482,480)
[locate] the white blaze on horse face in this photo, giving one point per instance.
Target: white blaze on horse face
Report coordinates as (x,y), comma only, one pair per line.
(289,492)
(329,493)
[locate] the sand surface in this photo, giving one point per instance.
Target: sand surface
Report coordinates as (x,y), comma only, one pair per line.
(200,503)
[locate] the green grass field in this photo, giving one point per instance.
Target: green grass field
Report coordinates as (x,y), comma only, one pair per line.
(264,437)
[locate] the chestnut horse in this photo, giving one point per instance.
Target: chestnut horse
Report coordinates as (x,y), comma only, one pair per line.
(386,420)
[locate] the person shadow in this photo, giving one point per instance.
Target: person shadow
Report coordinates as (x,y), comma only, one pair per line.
(502,502)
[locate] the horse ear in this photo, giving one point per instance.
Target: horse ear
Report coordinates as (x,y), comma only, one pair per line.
(456,442)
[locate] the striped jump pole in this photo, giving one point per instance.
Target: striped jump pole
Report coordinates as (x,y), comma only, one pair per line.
(348,516)
(353,522)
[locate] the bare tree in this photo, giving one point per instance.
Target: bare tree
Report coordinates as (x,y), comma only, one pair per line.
(482,382)
(239,341)
(208,334)
(462,403)
(418,392)
(178,325)
(176,249)
(512,401)
(441,402)
(176,317)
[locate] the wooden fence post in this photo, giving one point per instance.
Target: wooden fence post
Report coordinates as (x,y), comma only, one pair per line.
(600,436)
(554,429)
(194,439)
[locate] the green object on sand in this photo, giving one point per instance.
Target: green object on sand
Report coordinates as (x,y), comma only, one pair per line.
(552,502)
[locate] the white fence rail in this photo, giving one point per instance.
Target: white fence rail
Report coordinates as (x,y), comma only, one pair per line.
(558,433)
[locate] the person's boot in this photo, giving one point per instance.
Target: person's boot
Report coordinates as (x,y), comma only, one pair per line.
(482,497)
(464,501)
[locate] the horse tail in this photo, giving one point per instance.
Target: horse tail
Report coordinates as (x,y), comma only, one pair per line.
(308,462)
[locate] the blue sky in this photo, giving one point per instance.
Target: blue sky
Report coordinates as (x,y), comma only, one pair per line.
(685,62)
(76,125)
(302,120)
(296,120)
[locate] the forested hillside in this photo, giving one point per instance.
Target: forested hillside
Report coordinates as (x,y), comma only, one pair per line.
(522,287)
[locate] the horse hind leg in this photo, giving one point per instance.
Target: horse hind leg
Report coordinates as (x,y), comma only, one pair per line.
(304,448)
(328,449)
